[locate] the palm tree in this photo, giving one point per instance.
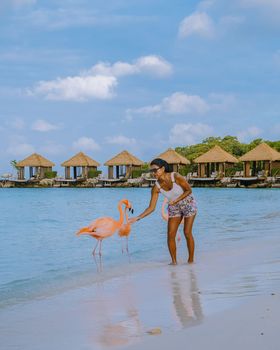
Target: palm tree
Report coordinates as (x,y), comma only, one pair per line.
(13,163)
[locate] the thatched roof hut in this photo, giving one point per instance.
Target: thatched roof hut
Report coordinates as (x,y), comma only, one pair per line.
(216,155)
(37,164)
(77,162)
(263,157)
(214,160)
(123,160)
(260,153)
(173,158)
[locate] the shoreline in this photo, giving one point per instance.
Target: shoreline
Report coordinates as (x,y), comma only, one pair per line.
(5,185)
(183,301)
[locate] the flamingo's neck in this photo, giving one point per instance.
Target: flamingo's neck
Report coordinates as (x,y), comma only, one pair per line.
(120,222)
(126,215)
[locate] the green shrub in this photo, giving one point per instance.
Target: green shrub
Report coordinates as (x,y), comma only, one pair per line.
(185,170)
(93,173)
(275,172)
(50,174)
(137,173)
(232,170)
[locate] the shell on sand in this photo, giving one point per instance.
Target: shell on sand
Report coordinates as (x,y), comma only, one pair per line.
(154,331)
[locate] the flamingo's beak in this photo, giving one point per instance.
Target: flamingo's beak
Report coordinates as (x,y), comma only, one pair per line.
(131,209)
(82,230)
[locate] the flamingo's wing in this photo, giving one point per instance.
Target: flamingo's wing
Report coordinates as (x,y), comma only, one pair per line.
(105,227)
(96,224)
(99,222)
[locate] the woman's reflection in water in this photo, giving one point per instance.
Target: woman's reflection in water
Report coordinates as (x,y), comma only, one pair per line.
(186,299)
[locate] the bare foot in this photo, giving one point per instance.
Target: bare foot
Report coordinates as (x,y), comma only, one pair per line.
(173,263)
(190,261)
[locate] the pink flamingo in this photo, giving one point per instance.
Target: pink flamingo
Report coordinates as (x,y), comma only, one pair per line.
(105,227)
(125,229)
(164,215)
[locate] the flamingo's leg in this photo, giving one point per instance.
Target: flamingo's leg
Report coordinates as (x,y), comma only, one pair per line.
(122,245)
(127,245)
(100,247)
(93,252)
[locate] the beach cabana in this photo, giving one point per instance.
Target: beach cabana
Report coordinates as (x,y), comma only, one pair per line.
(81,164)
(216,160)
(173,158)
(263,157)
(124,164)
(38,166)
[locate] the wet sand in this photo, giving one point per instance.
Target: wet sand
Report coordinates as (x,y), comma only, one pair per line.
(224,299)
(252,325)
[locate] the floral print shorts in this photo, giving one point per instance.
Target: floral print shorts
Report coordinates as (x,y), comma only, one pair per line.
(185,208)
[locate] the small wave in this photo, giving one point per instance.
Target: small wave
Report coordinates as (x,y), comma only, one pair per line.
(275,214)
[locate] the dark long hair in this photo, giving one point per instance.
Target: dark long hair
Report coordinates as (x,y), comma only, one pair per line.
(161,163)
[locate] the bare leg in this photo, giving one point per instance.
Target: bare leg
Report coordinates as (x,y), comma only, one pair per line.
(93,252)
(173,224)
(189,237)
(100,247)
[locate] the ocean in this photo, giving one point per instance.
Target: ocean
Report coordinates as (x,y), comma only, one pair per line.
(41,256)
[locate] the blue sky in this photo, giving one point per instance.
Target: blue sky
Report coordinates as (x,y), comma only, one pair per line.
(104,76)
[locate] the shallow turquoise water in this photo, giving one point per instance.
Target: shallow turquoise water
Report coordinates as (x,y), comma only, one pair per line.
(40,254)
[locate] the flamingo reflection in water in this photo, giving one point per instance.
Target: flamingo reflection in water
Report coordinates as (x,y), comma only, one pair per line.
(164,215)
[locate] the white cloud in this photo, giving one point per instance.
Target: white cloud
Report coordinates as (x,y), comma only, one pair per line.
(86,144)
(20,149)
(187,134)
(120,140)
(177,103)
(43,126)
(100,81)
(180,103)
(79,88)
(153,65)
(249,133)
(198,23)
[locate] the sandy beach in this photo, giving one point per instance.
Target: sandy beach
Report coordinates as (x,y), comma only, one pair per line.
(226,299)
(252,325)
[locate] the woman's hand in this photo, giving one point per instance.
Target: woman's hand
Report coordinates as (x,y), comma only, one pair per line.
(133,220)
(172,202)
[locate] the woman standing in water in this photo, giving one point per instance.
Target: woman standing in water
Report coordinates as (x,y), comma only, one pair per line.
(181,204)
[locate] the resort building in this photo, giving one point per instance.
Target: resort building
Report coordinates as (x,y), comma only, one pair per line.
(214,162)
(82,166)
(262,158)
(124,163)
(38,166)
(174,159)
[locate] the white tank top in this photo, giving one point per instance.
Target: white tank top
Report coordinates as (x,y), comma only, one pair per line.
(175,191)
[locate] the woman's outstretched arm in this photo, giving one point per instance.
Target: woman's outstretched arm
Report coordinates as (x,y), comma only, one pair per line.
(151,207)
